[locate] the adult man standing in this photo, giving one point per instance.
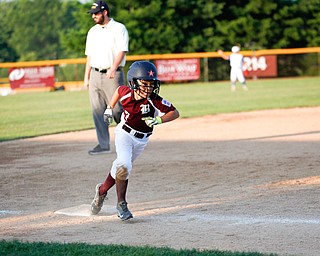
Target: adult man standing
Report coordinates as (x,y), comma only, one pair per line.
(106,47)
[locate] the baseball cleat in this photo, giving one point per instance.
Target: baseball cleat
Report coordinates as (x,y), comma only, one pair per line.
(123,211)
(97,202)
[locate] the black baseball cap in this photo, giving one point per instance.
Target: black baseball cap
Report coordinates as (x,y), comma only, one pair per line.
(99,6)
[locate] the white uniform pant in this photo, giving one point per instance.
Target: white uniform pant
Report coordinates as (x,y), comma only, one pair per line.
(236,73)
(128,148)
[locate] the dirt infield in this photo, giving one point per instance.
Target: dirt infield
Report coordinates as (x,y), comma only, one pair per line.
(245,181)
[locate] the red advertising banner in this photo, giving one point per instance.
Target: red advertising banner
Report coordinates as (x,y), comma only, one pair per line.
(31,77)
(261,66)
(178,69)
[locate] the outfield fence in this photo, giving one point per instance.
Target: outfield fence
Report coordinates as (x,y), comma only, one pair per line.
(290,62)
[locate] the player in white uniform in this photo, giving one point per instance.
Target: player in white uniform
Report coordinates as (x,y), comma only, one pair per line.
(236,63)
(143,108)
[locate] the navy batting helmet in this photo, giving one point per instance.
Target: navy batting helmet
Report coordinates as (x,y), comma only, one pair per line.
(142,70)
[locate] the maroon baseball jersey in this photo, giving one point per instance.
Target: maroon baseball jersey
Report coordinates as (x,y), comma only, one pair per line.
(134,110)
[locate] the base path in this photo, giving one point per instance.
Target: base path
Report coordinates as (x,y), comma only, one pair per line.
(240,182)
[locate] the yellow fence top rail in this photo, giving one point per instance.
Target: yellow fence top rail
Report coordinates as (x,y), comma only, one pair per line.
(161,57)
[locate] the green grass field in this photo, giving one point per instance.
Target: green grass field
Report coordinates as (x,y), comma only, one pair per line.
(16,248)
(32,114)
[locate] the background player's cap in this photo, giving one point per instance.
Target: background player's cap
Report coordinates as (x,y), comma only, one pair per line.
(235,49)
(99,6)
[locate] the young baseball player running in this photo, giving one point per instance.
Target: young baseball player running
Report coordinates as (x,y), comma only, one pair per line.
(143,108)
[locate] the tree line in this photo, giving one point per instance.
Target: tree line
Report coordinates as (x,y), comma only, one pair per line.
(45,29)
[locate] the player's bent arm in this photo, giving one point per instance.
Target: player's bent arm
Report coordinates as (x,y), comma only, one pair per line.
(170,116)
(223,56)
(151,121)
(114,99)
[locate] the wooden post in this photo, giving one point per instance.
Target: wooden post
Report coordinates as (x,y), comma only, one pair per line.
(205,70)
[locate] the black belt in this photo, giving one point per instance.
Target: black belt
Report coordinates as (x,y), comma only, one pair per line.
(136,134)
(105,70)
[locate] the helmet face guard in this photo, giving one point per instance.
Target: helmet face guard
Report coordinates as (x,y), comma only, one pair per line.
(155,84)
(141,71)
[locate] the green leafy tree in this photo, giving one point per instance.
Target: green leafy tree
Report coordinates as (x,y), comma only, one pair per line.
(73,38)
(297,24)
(168,26)
(35,27)
(7,53)
(257,24)
(45,29)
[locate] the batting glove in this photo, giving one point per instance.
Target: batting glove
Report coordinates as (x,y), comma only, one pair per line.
(151,121)
(107,116)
